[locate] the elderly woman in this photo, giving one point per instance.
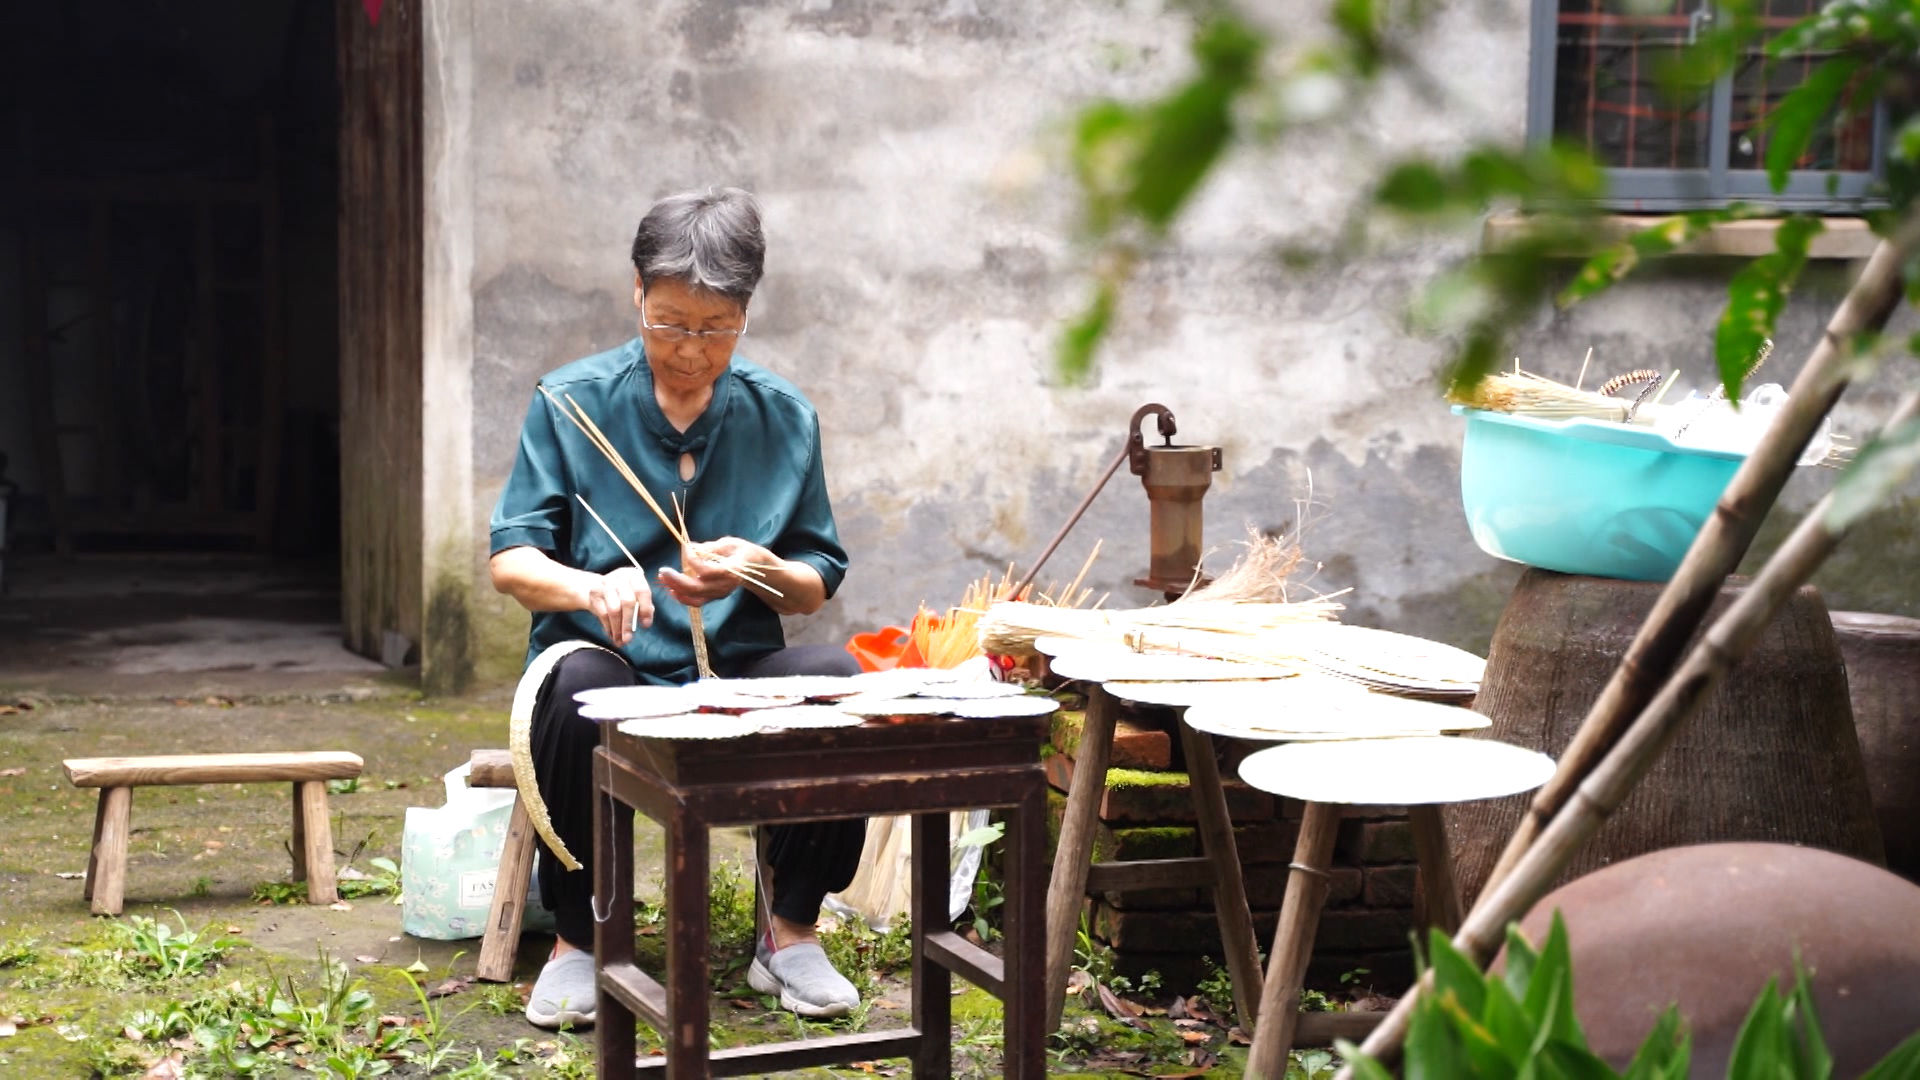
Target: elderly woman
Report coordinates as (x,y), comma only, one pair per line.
(740,447)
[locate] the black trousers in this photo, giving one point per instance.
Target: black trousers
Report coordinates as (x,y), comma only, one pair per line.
(808,860)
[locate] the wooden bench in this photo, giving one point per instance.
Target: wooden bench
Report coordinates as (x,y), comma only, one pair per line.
(116,777)
(494,769)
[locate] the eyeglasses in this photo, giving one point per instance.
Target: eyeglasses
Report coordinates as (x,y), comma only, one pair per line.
(681,333)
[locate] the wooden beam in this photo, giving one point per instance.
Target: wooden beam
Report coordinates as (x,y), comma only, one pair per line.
(166,770)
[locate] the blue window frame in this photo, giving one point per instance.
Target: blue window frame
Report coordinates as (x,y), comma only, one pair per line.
(1593,82)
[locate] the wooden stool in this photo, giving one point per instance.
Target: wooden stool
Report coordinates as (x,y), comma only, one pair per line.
(1418,773)
(116,777)
(1218,869)
(494,769)
(927,768)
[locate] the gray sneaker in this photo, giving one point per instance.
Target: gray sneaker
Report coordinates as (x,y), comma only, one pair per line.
(803,978)
(564,994)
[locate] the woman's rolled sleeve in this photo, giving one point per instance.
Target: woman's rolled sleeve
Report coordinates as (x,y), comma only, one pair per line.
(811,536)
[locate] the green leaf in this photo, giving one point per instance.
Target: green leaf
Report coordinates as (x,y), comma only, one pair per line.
(1879,468)
(1186,132)
(982,836)
(1364,1067)
(1813,1059)
(1435,1049)
(1574,1062)
(1755,298)
(1508,1023)
(1760,1050)
(1665,1052)
(1792,123)
(1414,187)
(1902,1064)
(1549,998)
(1077,345)
(1455,974)
(1521,961)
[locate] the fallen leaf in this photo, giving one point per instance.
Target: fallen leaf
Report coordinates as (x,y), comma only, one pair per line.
(214,845)
(883,1003)
(1189,1024)
(132,1034)
(743,1003)
(1121,1009)
(863,1066)
(17,771)
(648,931)
(171,1067)
(1079,982)
(1194,1038)
(340,905)
(1238,1036)
(418,967)
(8,710)
(222,702)
(8,1029)
(70,875)
(235,930)
(451,986)
(364,959)
(71,1032)
(392,1021)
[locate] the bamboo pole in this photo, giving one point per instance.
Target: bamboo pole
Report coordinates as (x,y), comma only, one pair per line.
(1724,539)
(1614,777)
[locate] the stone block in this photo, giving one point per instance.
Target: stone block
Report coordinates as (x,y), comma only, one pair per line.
(1136,795)
(1392,886)
(1352,929)
(1267,885)
(1144,842)
(1159,900)
(1265,842)
(1374,842)
(1135,746)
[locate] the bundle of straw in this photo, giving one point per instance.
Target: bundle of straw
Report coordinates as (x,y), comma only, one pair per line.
(1248,600)
(945,641)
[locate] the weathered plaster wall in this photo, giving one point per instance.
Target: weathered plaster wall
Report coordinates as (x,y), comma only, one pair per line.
(920,268)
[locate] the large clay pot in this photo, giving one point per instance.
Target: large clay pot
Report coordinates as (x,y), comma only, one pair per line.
(1771,755)
(1883,679)
(1705,927)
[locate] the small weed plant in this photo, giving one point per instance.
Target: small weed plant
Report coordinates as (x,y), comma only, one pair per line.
(988,893)
(149,950)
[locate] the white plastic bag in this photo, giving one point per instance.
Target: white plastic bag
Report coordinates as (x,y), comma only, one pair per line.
(449,858)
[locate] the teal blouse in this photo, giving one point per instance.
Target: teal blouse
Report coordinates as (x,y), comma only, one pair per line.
(757,476)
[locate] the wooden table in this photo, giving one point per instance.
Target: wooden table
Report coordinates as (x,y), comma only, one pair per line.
(928,768)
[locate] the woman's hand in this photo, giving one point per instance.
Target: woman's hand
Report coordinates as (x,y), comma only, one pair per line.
(705,576)
(623,603)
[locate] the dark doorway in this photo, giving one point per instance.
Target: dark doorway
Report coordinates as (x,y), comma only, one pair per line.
(169,362)
(169,345)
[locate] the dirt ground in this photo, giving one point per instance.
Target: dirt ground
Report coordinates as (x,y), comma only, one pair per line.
(123,657)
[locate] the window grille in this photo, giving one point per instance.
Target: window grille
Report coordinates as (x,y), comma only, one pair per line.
(1596,82)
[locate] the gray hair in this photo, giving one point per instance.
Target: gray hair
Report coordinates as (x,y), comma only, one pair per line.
(708,239)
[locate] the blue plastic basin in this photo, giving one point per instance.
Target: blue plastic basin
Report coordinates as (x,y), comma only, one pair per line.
(1586,496)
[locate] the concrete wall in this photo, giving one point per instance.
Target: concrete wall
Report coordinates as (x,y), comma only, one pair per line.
(920,268)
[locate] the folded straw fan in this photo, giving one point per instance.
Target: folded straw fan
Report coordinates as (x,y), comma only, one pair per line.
(1097,662)
(1285,717)
(689,726)
(1396,772)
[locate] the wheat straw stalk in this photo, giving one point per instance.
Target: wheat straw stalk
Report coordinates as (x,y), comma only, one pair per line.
(696,619)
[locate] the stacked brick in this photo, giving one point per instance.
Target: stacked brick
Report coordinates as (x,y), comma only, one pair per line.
(1146,812)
